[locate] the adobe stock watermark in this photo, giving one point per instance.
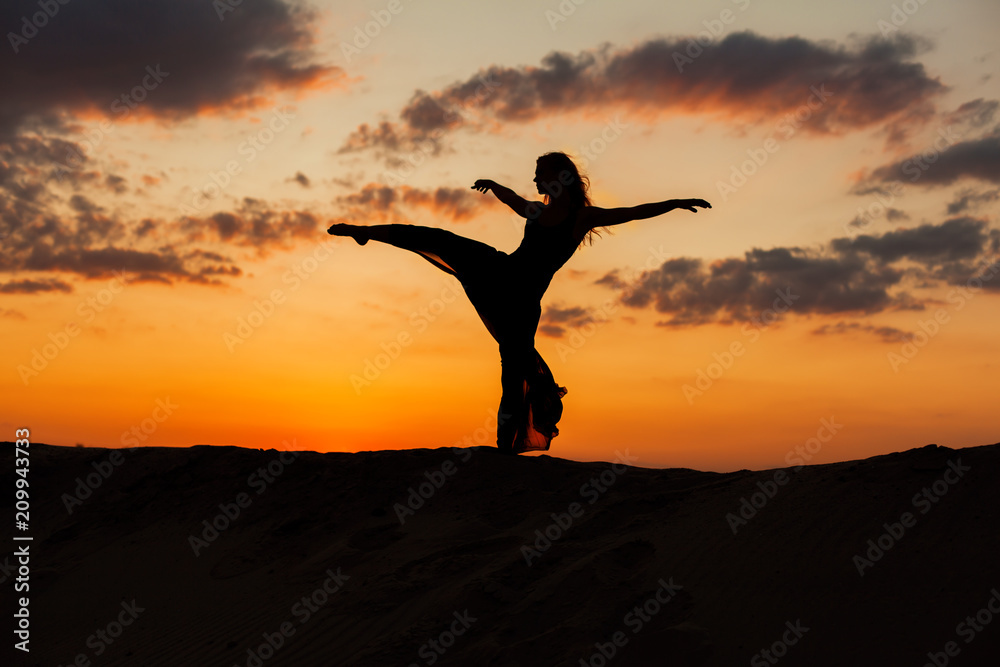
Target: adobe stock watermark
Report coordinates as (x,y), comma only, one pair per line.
(592,490)
(779,649)
(799,456)
(420,320)
(713,29)
(249,149)
(635,620)
(122,106)
(433,649)
(229,512)
(263,309)
(589,152)
(601,315)
(303,610)
(561,13)
(88,308)
(899,16)
(923,500)
(931,327)
(364,35)
(788,126)
(224,7)
(30,26)
(596,147)
(426,147)
(968,629)
(432,480)
(579,335)
(706,377)
(7,569)
(913,168)
(130,440)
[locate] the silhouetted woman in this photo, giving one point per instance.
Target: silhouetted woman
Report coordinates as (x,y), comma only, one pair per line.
(506,289)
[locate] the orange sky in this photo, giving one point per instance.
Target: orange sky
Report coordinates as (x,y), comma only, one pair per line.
(172,284)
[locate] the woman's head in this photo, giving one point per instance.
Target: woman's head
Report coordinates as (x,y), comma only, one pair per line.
(556,176)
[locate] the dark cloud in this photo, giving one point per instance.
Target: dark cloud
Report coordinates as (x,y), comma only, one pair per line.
(377,198)
(944,162)
(116,184)
(555,319)
(81,204)
(105,262)
(34,286)
(955,239)
(886,334)
(971,200)
(963,147)
(974,115)
(91,244)
(382,134)
(458,204)
(382,203)
(254,225)
(861,275)
(746,76)
(145,228)
(165,58)
(109,60)
(301,179)
(29,163)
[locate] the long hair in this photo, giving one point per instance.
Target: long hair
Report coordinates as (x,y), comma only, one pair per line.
(577,185)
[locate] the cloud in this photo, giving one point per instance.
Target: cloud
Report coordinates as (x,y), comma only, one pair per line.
(554,318)
(862,276)
(254,224)
(952,240)
(301,179)
(89,243)
(946,161)
(866,217)
(886,334)
(167,60)
(34,286)
(12,314)
(971,200)
(383,203)
(164,58)
(458,204)
(745,76)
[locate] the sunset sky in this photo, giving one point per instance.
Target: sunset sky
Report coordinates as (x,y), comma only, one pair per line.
(168,169)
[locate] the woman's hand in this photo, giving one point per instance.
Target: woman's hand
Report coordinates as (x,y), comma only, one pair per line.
(689,204)
(484,185)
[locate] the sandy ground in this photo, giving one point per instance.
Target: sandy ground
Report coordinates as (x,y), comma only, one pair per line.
(467,557)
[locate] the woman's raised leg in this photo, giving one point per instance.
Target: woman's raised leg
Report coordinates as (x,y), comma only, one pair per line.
(450,252)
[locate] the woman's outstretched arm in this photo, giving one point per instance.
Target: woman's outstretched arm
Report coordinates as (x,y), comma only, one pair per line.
(520,205)
(606,217)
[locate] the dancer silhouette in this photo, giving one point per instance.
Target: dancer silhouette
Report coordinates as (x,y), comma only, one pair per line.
(506,289)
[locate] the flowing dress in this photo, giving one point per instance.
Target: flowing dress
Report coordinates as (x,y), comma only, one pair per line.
(506,291)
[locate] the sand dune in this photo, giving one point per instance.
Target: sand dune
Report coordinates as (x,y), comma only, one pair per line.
(467,557)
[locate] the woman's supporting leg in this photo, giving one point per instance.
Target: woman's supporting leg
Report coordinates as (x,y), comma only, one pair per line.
(514,321)
(512,417)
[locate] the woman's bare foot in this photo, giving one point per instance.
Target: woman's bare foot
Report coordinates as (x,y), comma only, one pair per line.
(354,231)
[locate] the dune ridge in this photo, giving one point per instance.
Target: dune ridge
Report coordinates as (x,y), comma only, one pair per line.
(228,556)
